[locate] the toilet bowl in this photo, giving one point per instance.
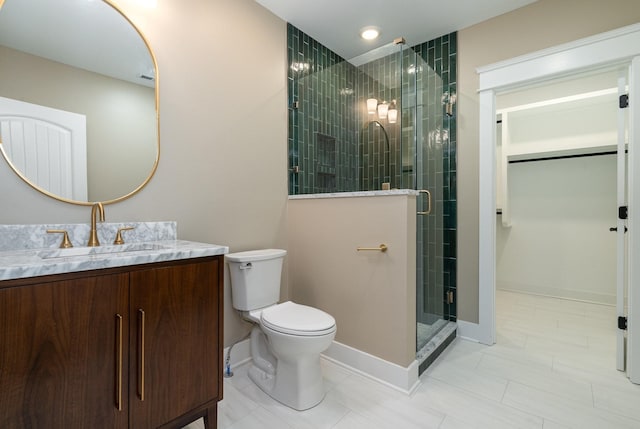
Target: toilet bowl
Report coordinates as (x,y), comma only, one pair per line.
(287,338)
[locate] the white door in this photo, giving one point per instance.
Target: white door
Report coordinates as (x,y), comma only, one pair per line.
(47,146)
(621,226)
(633,235)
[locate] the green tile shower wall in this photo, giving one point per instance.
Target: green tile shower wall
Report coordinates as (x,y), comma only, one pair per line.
(322,118)
(325,155)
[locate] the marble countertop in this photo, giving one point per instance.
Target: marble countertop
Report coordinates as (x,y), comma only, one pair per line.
(15,264)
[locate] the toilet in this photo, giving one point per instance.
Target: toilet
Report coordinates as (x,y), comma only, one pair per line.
(287,338)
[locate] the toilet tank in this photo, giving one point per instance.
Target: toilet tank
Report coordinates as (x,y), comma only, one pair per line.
(255,278)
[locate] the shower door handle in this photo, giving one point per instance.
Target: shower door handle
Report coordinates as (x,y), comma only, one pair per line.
(424,191)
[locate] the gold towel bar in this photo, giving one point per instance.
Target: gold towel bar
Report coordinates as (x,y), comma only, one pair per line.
(381,248)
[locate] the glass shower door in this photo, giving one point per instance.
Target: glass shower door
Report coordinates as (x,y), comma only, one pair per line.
(425,139)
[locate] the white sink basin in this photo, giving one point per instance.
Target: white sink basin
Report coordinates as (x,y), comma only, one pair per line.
(100,250)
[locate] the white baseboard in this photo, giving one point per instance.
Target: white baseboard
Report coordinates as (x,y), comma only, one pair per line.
(400,378)
(403,379)
(469,331)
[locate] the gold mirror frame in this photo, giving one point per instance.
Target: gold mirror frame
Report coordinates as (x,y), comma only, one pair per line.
(157,127)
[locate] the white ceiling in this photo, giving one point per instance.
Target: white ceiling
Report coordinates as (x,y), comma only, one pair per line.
(74,32)
(337,23)
(87,34)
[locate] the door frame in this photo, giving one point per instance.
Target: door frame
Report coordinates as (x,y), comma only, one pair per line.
(617,46)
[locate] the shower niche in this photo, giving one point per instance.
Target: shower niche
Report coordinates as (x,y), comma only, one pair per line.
(326,163)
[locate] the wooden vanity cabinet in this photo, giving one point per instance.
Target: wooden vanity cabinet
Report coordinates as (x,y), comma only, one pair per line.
(178,352)
(57,353)
(137,347)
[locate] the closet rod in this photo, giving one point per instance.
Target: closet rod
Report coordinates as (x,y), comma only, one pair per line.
(548,158)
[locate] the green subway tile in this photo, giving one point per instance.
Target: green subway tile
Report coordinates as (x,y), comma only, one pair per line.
(453,42)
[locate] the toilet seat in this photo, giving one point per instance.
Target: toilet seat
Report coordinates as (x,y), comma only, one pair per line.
(296,319)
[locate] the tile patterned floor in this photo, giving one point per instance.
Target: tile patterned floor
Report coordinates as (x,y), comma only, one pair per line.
(553,367)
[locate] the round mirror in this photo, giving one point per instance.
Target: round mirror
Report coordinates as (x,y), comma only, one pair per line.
(78,99)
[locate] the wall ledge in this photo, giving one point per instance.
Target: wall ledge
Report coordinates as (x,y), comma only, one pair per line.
(391,192)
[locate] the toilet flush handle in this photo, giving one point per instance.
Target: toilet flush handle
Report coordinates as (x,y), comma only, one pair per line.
(245,265)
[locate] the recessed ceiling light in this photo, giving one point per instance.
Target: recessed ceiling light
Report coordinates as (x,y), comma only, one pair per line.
(369,33)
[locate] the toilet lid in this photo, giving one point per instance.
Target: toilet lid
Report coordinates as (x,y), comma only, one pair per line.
(296,319)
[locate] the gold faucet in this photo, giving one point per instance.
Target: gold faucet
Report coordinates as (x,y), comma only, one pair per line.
(93,237)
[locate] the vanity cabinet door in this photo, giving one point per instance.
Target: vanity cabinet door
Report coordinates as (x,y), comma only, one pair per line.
(63,354)
(176,357)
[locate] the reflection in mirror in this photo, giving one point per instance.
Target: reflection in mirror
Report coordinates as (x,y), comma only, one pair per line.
(84,60)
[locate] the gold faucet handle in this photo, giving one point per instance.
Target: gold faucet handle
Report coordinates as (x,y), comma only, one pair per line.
(66,243)
(119,239)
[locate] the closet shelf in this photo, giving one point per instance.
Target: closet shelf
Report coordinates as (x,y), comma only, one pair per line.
(578,124)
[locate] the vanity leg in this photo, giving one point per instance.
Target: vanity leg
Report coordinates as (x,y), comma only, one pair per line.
(211,417)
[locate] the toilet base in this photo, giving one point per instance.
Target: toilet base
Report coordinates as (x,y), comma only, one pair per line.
(297,380)
(274,386)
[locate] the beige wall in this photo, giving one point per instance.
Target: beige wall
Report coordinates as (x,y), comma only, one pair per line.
(540,25)
(121,118)
(372,295)
(222,173)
